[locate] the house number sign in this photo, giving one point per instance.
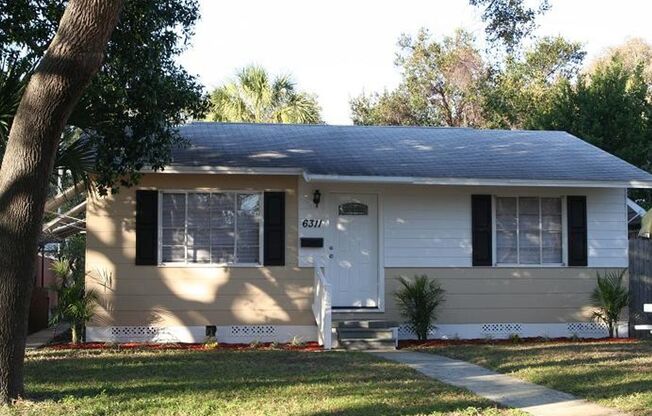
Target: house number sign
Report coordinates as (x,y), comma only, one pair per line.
(311,223)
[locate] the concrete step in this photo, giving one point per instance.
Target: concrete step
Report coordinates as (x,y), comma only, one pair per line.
(372,324)
(362,344)
(364,333)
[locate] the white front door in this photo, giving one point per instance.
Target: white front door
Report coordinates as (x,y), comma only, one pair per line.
(353,250)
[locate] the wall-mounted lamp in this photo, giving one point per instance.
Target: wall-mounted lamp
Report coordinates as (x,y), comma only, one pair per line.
(316,197)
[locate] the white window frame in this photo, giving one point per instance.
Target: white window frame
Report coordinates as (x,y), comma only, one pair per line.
(261,227)
(564,238)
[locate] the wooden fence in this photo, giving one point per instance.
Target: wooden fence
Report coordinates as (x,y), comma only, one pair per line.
(640,285)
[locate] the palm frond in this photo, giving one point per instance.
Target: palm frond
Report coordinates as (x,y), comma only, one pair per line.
(610,297)
(253,97)
(14,74)
(75,157)
(418,300)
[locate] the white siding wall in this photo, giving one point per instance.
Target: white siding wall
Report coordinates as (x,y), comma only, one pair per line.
(430,226)
(607,227)
(427,229)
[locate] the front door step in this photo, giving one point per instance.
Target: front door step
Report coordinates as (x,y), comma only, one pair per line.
(375,324)
(366,335)
(365,344)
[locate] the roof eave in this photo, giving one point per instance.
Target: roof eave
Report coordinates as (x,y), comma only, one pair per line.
(477,181)
(226,170)
(413,180)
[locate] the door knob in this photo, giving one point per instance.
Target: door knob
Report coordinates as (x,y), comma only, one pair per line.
(330,256)
(330,247)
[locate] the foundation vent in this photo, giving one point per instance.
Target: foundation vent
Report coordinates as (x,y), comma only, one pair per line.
(404,331)
(135,333)
(252,331)
(594,328)
(506,328)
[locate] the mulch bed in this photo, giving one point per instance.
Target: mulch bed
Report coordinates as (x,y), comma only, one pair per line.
(538,340)
(309,346)
(62,342)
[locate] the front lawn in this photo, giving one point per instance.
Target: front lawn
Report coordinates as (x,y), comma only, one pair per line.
(616,374)
(234,383)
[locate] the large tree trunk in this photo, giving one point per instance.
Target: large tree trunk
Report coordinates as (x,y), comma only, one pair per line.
(72,59)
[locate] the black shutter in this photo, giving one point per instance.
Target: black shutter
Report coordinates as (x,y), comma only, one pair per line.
(481,230)
(577,241)
(274,229)
(146,228)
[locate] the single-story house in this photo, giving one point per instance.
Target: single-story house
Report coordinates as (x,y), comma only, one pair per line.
(270,232)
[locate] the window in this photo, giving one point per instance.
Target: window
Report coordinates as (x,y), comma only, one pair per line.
(528,230)
(210,228)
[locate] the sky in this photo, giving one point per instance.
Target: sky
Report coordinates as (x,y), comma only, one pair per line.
(337,49)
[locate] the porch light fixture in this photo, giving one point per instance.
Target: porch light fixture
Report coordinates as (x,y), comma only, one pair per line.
(316,197)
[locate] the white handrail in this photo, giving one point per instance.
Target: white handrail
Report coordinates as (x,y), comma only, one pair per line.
(321,308)
(647,307)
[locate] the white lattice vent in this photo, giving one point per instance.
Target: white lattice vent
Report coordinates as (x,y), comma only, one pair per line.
(505,328)
(252,331)
(404,331)
(587,327)
(135,332)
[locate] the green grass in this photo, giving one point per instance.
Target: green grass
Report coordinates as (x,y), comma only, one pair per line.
(234,383)
(613,374)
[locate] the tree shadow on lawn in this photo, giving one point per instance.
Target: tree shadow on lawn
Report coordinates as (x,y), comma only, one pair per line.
(327,383)
(513,358)
(597,371)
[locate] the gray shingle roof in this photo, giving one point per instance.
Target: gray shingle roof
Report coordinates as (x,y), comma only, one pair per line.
(422,152)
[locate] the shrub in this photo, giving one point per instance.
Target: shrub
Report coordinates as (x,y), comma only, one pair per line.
(610,296)
(296,341)
(210,343)
(254,344)
(515,338)
(418,300)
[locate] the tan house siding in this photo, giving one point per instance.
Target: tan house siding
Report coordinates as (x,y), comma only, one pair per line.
(500,294)
(187,296)
(133,295)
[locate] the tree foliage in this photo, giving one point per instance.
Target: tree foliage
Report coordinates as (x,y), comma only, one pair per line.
(608,108)
(129,112)
(441,84)
(522,91)
(509,21)
(632,53)
(255,97)
(14,73)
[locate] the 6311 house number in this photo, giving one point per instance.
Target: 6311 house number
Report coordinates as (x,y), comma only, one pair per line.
(311,223)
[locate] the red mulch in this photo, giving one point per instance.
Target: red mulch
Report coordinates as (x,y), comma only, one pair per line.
(448,343)
(309,346)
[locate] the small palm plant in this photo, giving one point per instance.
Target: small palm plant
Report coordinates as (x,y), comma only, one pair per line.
(418,300)
(75,304)
(610,296)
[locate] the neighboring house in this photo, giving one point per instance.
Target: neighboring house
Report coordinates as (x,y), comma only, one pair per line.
(245,227)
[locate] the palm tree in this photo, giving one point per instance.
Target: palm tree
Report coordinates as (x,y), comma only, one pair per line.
(254,97)
(75,304)
(610,297)
(418,301)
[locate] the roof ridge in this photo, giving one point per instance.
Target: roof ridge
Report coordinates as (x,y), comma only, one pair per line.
(367,126)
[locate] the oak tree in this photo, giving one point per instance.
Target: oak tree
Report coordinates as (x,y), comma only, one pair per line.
(71,60)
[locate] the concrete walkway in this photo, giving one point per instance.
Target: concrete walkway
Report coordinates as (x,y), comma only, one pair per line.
(509,391)
(42,337)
